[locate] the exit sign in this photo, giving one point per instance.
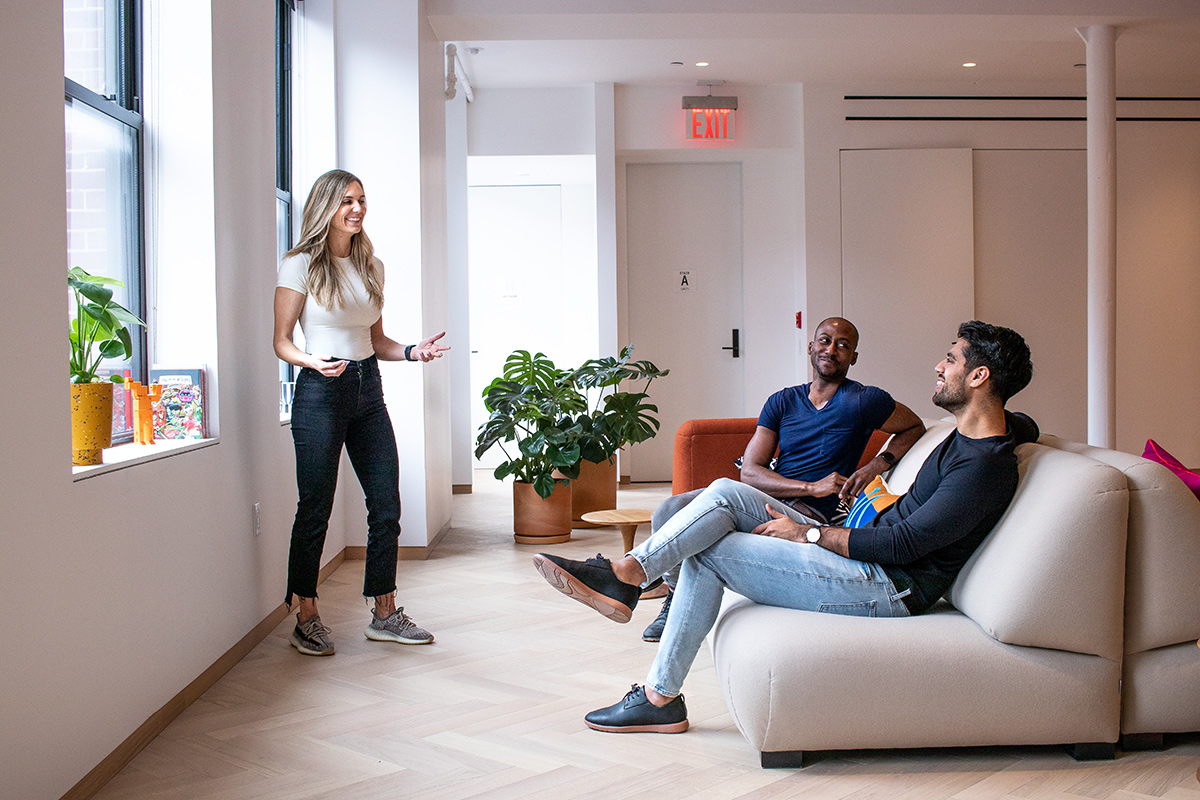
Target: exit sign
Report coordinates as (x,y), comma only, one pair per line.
(712,124)
(709,118)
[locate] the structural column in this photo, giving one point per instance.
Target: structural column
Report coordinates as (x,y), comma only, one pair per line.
(1102,232)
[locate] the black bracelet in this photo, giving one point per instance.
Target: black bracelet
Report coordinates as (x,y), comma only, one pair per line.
(408,351)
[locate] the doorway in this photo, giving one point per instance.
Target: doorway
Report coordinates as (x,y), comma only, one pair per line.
(532,276)
(684,256)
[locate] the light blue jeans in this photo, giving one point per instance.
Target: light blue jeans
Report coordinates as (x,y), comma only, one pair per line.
(710,538)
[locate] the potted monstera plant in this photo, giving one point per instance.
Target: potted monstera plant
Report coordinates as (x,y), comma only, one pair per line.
(99,329)
(612,420)
(532,408)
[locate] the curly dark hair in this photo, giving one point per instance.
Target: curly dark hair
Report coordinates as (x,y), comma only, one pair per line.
(1003,351)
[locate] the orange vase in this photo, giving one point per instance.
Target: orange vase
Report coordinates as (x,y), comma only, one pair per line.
(538,520)
(91,421)
(594,490)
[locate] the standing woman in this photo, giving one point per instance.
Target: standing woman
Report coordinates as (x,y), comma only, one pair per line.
(332,284)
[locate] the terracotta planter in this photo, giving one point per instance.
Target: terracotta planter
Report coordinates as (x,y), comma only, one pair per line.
(595,489)
(538,520)
(91,421)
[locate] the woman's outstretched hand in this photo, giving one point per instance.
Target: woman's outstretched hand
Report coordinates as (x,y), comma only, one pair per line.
(429,349)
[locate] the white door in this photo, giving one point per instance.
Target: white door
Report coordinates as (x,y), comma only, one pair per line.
(684,256)
(515,250)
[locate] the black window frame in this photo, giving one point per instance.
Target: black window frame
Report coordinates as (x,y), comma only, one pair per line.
(124,107)
(284,15)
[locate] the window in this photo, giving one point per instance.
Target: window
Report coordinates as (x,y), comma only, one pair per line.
(103,160)
(283,165)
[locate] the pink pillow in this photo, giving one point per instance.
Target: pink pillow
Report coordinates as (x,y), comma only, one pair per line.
(1154,452)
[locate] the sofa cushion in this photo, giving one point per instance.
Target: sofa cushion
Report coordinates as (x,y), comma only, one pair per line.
(1160,690)
(1051,573)
(1162,592)
(905,471)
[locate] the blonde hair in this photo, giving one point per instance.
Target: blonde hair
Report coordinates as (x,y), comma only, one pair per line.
(326,283)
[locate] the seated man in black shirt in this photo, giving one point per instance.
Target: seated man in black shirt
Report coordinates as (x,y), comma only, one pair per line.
(898,565)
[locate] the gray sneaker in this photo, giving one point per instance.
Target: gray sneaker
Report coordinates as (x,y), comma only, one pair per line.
(311,637)
(398,627)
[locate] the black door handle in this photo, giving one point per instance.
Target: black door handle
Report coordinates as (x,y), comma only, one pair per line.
(736,349)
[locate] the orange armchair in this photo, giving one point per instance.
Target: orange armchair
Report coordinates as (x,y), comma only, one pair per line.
(705,450)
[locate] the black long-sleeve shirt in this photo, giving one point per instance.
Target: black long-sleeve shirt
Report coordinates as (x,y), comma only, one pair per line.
(961,491)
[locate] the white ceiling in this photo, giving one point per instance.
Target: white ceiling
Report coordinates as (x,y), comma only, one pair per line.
(1019,45)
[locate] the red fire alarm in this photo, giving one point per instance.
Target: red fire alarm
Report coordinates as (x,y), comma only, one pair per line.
(798,319)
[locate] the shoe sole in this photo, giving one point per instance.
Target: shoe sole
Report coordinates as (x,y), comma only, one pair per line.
(646,638)
(387,636)
(295,641)
(673,727)
(573,588)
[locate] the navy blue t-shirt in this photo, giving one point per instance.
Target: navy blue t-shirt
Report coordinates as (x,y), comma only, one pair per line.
(815,442)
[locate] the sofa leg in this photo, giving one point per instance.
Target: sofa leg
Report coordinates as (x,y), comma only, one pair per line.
(1092,751)
(1141,741)
(786,759)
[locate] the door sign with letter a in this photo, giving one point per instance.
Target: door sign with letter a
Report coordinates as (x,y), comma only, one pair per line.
(685,281)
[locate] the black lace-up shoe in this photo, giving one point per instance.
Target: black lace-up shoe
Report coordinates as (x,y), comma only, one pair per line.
(654,630)
(636,714)
(591,582)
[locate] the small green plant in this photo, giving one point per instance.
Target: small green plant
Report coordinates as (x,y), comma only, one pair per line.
(616,418)
(532,404)
(98,325)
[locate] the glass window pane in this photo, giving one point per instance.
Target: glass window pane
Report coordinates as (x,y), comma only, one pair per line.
(102,207)
(91,45)
(283,227)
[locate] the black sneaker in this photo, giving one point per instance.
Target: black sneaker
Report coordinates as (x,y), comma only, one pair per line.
(654,630)
(636,714)
(591,582)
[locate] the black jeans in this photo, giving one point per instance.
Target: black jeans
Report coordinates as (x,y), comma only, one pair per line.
(328,413)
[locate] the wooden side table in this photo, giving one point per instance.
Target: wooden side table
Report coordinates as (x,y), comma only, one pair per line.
(626,519)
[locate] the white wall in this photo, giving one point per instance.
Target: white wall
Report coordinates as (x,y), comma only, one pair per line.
(793,234)
(1158,201)
(1158,287)
(532,122)
(121,588)
(462,441)
(650,129)
(645,124)
(391,133)
(153,570)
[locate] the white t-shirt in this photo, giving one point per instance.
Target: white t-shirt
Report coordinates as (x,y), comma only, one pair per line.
(343,332)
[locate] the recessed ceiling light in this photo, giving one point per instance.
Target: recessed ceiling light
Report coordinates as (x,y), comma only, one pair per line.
(701,63)
(1081,66)
(969,64)
(676,63)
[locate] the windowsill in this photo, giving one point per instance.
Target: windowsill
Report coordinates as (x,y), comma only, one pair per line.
(128,455)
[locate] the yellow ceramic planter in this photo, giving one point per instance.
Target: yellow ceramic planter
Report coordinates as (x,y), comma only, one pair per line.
(91,421)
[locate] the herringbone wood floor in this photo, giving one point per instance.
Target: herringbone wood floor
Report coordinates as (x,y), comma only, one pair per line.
(493,709)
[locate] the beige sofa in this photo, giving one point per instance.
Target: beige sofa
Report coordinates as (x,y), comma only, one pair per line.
(1160,690)
(1028,646)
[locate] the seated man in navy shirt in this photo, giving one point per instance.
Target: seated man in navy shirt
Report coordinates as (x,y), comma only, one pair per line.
(820,429)
(897,565)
